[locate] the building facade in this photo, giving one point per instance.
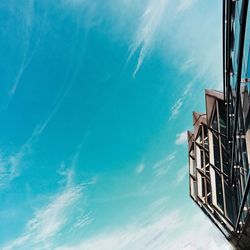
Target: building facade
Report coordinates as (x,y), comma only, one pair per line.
(219,146)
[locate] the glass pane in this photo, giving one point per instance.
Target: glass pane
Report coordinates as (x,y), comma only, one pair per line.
(219,192)
(206,158)
(223,118)
(205,138)
(192,166)
(225,162)
(200,185)
(248,63)
(215,121)
(216,151)
(198,157)
(209,196)
(229,205)
(202,161)
(247,43)
(192,187)
(203,187)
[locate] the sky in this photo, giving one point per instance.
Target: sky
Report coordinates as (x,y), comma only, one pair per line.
(96,97)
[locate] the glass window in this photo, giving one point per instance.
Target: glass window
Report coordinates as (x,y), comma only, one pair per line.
(247,44)
(200,185)
(205,138)
(209,196)
(243,156)
(246,67)
(229,204)
(198,157)
(222,118)
(216,151)
(219,192)
(225,162)
(206,158)
(202,159)
(232,39)
(192,188)
(203,187)
(215,120)
(233,10)
(213,186)
(192,166)
(248,63)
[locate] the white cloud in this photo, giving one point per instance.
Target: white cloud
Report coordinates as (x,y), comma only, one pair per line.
(8,168)
(48,221)
(162,166)
(182,172)
(200,234)
(175,109)
(181,138)
(154,30)
(139,236)
(140,168)
(83,220)
(187,65)
(58,102)
(155,17)
(157,230)
(11,163)
(198,33)
(26,23)
(183,6)
(146,31)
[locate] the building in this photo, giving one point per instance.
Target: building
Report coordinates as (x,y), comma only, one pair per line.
(219,146)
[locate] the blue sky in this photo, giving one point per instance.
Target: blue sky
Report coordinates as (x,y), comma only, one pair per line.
(96,97)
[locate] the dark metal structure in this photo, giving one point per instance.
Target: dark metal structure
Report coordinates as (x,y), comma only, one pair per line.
(219,146)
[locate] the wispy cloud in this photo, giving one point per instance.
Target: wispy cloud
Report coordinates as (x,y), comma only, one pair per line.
(183,6)
(157,230)
(9,168)
(181,138)
(154,17)
(146,31)
(82,220)
(67,169)
(140,168)
(47,222)
(159,20)
(175,109)
(162,166)
(188,64)
(200,234)
(40,231)
(59,100)
(27,19)
(12,162)
(140,235)
(182,172)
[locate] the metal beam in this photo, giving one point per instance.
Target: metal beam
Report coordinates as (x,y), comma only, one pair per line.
(243,18)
